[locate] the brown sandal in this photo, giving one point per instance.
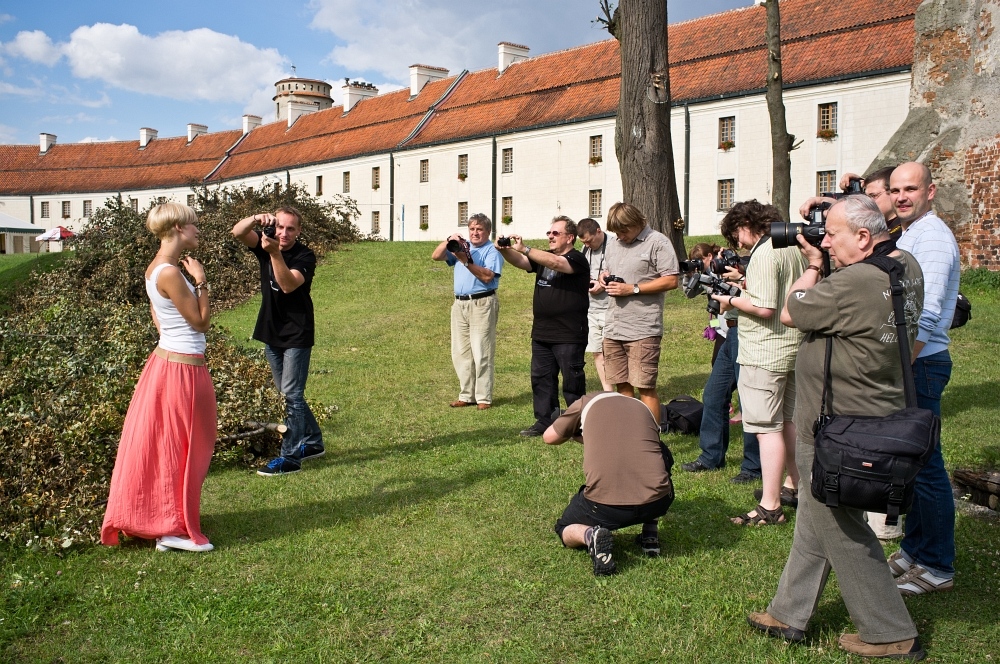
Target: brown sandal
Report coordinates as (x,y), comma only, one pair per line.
(763,517)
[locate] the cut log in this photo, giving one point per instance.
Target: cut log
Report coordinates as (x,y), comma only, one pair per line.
(983,487)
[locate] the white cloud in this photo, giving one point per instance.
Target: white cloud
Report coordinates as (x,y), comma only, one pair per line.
(8,134)
(34,46)
(92,139)
(15,91)
(5,18)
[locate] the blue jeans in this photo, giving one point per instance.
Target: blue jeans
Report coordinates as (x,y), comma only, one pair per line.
(930,524)
(290,368)
(718,394)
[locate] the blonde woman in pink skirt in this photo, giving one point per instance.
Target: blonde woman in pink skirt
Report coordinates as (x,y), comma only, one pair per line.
(170,428)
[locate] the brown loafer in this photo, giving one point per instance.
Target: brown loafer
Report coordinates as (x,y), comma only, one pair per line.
(483,406)
(771,626)
(461,404)
(909,649)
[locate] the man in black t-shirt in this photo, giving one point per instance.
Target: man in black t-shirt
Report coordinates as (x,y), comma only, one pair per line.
(559,329)
(286,326)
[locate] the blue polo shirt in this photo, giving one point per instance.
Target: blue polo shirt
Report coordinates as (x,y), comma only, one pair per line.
(486,256)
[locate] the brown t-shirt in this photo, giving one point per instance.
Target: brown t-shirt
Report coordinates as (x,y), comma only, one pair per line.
(622,453)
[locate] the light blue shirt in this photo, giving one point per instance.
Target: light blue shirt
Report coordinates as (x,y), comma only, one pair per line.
(486,256)
(933,245)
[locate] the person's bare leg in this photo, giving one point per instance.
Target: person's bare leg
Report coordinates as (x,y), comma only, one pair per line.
(626,389)
(788,438)
(599,364)
(573,535)
(772,465)
(650,397)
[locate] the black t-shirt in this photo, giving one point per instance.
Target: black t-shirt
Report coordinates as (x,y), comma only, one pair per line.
(561,301)
(286,320)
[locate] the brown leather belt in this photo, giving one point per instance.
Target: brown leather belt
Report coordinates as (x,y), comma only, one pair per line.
(179,358)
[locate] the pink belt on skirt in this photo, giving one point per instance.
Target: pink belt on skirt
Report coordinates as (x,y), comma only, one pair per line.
(179,358)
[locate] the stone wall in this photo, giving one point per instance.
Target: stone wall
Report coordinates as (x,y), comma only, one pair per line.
(954,121)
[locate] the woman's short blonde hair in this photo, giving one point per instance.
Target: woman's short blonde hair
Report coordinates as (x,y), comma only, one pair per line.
(165,217)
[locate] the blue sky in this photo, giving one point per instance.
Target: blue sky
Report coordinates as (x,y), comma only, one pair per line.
(89,71)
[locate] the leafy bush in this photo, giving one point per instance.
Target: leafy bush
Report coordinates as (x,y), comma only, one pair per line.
(75,341)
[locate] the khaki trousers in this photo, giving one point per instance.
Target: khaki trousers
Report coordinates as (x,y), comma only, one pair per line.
(473,346)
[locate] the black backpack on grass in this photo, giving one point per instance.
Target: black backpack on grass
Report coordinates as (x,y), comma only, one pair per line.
(682,414)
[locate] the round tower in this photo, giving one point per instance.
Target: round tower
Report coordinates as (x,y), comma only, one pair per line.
(305,90)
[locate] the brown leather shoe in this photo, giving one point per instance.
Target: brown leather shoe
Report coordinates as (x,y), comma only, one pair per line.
(909,649)
(461,404)
(483,406)
(771,626)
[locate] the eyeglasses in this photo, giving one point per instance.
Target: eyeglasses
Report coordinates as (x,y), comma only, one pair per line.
(555,233)
(875,196)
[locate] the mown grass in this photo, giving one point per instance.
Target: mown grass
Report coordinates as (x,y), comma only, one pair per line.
(15,268)
(425,533)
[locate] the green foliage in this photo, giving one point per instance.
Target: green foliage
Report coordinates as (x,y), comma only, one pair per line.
(981,279)
(77,337)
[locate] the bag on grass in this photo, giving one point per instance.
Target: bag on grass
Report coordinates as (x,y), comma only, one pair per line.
(682,414)
(870,463)
(963,312)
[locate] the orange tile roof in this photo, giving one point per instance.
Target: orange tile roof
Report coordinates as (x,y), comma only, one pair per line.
(711,57)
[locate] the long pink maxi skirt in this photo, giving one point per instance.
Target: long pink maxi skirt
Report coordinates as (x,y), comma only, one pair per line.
(163,457)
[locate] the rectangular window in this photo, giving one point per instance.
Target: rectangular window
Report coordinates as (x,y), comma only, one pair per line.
(595,203)
(596,149)
(507,209)
(425,217)
(726,190)
(826,181)
(191,200)
(827,127)
(727,133)
(425,170)
(160,200)
(319,185)
(376,229)
(376,177)
(463,166)
(65,209)
(463,214)
(134,202)
(347,182)
(45,209)
(508,160)
(88,208)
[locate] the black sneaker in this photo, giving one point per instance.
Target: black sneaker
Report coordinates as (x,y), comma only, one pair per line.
(649,544)
(789,497)
(601,544)
(533,431)
(307,452)
(745,478)
(695,466)
(280,466)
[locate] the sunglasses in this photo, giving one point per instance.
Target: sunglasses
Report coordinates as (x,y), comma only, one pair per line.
(555,233)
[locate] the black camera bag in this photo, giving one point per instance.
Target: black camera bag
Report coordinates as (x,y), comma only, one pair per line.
(870,463)
(682,414)
(963,312)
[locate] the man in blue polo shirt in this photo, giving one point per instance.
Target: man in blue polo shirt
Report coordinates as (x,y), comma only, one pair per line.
(474,314)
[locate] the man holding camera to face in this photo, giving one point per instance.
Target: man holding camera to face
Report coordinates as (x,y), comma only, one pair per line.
(286,326)
(559,328)
(474,313)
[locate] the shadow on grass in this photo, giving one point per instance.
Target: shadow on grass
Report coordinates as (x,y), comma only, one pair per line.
(494,436)
(677,385)
(271,523)
(959,398)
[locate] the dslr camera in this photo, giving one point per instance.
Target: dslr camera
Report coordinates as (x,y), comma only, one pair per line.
(687,267)
(814,230)
(728,259)
(709,283)
(613,278)
(269,231)
(503,242)
(459,245)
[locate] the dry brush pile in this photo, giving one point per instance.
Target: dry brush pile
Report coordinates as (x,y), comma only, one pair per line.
(75,340)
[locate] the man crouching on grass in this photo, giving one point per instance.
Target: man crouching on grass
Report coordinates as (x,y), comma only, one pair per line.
(627,472)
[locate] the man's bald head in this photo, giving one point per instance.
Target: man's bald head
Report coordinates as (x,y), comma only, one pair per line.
(912,191)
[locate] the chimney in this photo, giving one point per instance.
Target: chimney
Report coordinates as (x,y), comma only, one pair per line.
(145,136)
(45,141)
(297,109)
(250,122)
(421,75)
(355,91)
(509,54)
(195,130)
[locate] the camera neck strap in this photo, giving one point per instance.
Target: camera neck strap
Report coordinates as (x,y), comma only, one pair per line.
(880,259)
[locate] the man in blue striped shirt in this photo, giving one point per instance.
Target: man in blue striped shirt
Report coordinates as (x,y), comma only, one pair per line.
(925,561)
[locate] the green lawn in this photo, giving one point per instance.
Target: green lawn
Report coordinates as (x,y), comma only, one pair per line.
(15,268)
(425,533)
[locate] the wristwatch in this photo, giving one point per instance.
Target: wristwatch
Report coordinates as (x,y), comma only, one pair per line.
(635,289)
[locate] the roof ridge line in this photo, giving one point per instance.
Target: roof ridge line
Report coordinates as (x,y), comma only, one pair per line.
(596,79)
(225,157)
(430,111)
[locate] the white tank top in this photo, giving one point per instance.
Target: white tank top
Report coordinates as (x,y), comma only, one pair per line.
(175,333)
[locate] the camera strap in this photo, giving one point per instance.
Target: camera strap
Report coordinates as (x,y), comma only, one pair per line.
(604,254)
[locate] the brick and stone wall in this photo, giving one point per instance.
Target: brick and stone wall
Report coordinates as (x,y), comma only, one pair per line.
(954,121)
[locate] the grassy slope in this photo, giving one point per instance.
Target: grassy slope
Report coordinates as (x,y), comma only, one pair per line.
(15,268)
(425,532)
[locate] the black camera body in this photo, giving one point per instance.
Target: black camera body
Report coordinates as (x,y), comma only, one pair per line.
(612,278)
(784,235)
(727,259)
(710,284)
(503,242)
(269,231)
(459,245)
(691,266)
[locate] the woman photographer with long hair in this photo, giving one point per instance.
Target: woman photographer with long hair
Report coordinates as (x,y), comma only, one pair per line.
(170,429)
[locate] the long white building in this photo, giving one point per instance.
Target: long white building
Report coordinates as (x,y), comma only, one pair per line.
(529,139)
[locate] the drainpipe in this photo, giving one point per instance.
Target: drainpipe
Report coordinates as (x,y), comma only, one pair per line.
(31,214)
(392,196)
(493,177)
(288,180)
(687,170)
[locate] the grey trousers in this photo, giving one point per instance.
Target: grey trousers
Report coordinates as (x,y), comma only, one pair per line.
(840,539)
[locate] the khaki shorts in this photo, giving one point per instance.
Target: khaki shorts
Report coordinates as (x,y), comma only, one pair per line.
(595,325)
(767,399)
(634,362)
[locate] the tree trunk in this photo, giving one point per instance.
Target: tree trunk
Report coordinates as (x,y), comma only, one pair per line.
(642,132)
(781,141)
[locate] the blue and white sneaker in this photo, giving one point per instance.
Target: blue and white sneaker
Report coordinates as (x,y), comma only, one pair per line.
(306,452)
(280,466)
